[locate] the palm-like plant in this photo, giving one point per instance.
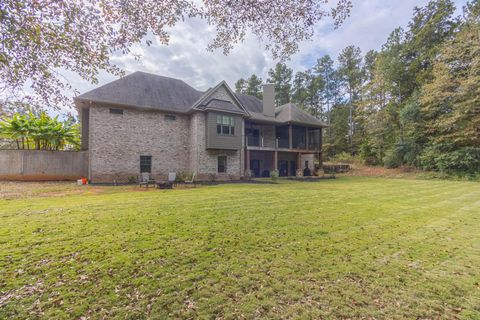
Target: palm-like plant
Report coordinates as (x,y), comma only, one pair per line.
(40,132)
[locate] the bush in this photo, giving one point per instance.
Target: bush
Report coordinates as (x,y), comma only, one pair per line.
(274,174)
(132,180)
(461,161)
(368,155)
(249,174)
(183,175)
(392,159)
(344,157)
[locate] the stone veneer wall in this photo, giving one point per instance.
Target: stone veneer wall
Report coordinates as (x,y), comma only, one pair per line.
(116,143)
(205,162)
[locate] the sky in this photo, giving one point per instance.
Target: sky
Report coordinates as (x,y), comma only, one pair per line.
(186,57)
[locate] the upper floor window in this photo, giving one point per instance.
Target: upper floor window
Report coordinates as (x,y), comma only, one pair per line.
(225,125)
(170,117)
(116,111)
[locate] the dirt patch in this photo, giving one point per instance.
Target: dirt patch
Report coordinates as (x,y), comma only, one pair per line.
(402,172)
(20,189)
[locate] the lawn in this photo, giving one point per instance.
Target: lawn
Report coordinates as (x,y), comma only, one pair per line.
(353,247)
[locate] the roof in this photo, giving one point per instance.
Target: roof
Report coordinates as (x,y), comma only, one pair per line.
(292,114)
(253,104)
(151,91)
(218,104)
(146,90)
(205,99)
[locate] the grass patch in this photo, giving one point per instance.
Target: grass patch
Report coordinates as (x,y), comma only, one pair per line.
(353,247)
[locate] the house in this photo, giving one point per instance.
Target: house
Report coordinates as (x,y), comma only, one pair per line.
(150,123)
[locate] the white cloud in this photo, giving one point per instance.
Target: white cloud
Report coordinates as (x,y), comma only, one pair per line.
(186,56)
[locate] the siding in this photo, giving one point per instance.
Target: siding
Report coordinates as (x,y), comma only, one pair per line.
(223,142)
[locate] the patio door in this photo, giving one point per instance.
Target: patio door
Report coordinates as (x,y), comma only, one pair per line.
(283,168)
(293,168)
(255,167)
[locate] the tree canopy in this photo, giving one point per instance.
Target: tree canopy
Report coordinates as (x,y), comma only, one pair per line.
(39,39)
(415,102)
(40,132)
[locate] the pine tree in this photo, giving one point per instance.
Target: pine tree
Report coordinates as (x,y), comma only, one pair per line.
(281,77)
(254,86)
(241,86)
(350,60)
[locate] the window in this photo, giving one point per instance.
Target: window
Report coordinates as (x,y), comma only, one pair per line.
(222,164)
(170,117)
(225,125)
(116,111)
(146,164)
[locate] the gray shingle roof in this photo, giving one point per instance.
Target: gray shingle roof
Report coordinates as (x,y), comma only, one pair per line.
(221,105)
(253,104)
(293,114)
(146,90)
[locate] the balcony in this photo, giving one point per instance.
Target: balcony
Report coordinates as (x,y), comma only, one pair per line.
(282,138)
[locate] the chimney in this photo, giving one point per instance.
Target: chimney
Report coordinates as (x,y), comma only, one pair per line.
(269,100)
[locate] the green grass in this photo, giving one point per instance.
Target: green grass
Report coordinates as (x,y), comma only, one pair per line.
(346,248)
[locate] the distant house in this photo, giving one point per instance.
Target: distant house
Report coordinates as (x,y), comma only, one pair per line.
(150,123)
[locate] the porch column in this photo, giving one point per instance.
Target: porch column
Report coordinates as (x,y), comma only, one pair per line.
(320,154)
(275,160)
(247,160)
(306,138)
(290,136)
(299,159)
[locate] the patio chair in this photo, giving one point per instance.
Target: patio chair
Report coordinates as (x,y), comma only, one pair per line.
(145,180)
(192,181)
(169,183)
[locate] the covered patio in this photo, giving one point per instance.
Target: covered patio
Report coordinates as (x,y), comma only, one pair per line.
(261,163)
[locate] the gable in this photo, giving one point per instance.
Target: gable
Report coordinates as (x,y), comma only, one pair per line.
(220,98)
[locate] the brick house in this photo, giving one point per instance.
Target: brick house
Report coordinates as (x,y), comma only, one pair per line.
(150,123)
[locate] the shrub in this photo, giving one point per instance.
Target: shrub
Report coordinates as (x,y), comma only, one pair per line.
(212,177)
(132,180)
(461,161)
(274,174)
(393,158)
(343,157)
(368,155)
(249,174)
(183,175)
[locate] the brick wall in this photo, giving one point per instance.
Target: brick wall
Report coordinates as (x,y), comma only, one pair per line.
(118,140)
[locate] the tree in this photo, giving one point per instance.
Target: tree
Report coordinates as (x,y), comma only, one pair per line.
(299,89)
(450,102)
(254,86)
(41,132)
(329,91)
(430,27)
(38,40)
(281,77)
(241,86)
(350,69)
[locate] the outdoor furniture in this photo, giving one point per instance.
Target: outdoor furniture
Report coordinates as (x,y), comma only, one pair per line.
(169,183)
(192,181)
(145,180)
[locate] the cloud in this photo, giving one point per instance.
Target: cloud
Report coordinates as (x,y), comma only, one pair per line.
(186,56)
